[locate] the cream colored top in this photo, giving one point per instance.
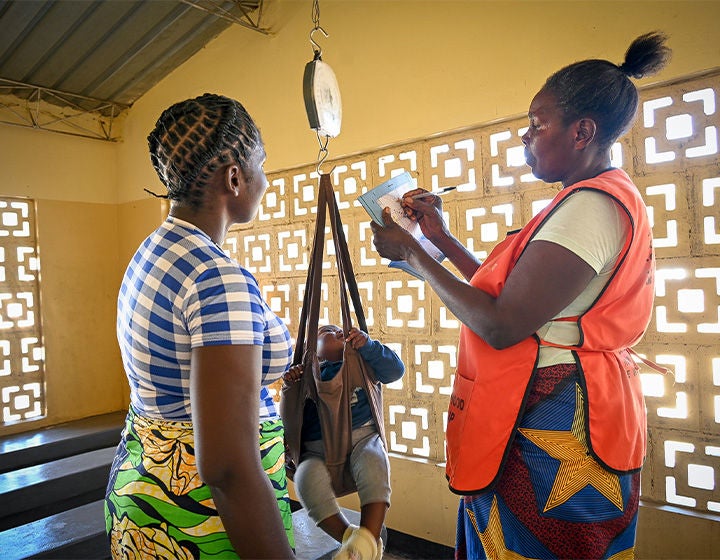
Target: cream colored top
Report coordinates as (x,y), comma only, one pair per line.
(594,227)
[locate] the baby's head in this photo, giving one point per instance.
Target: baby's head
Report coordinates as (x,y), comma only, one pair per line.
(331,342)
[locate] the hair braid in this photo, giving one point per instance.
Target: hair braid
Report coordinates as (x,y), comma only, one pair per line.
(193,138)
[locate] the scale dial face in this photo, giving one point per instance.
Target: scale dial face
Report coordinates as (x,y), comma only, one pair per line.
(322,98)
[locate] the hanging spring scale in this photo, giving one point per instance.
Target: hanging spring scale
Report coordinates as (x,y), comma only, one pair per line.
(322,95)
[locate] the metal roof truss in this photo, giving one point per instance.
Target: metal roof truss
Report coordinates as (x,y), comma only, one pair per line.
(41,108)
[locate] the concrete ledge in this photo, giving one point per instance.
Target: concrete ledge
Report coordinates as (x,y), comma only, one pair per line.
(56,442)
(57,484)
(76,533)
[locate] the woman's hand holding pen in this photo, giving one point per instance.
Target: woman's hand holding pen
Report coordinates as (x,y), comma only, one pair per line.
(425,208)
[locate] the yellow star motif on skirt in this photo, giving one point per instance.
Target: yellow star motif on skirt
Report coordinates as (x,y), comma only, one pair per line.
(627,554)
(492,538)
(577,467)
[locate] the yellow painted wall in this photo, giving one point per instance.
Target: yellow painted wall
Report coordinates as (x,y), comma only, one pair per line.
(49,166)
(86,239)
(408,69)
(74,181)
(79,260)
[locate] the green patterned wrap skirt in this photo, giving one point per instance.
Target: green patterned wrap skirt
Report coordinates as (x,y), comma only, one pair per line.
(156,506)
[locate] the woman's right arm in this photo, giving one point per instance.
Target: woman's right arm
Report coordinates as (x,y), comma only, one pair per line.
(224,393)
(427,212)
(545,280)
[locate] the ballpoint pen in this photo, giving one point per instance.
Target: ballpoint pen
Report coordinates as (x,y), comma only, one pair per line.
(436,193)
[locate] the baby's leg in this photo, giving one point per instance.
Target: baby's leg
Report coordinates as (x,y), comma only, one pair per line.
(371,470)
(314,488)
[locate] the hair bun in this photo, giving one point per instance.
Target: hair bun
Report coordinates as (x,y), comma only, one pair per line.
(646,56)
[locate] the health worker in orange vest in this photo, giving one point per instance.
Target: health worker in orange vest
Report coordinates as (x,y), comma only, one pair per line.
(546,429)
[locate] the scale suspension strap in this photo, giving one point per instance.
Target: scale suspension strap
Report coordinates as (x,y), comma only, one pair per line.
(332,398)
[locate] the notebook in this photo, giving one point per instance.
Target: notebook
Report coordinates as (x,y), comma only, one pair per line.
(389,195)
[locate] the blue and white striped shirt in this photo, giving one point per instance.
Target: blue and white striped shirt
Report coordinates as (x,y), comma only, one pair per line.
(181,291)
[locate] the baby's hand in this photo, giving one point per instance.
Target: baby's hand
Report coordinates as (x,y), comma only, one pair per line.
(293,374)
(356,338)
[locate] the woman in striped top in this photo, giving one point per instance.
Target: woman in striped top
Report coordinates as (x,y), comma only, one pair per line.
(199,344)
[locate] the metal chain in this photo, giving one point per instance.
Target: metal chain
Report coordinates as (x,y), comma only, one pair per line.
(316,13)
(323,151)
(317,50)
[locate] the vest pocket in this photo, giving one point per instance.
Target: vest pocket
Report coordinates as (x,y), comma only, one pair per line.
(457,417)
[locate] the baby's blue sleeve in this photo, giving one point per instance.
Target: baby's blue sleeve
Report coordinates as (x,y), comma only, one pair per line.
(386,364)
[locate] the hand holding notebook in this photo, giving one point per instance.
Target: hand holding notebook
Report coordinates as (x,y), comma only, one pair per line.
(389,195)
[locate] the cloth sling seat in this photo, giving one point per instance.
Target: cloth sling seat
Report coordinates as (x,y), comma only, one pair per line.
(332,398)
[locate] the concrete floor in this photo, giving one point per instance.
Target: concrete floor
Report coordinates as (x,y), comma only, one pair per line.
(311,543)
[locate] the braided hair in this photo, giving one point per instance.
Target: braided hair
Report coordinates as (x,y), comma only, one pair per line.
(603,91)
(193,138)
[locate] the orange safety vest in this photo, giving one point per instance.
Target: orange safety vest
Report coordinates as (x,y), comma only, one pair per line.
(491,386)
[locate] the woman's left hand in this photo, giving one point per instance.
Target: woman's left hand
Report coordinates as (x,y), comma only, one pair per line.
(392,241)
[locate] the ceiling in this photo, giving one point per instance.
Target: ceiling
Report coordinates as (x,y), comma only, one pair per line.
(97,57)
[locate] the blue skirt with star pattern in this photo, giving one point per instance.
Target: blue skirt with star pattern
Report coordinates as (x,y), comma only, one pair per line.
(552,500)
